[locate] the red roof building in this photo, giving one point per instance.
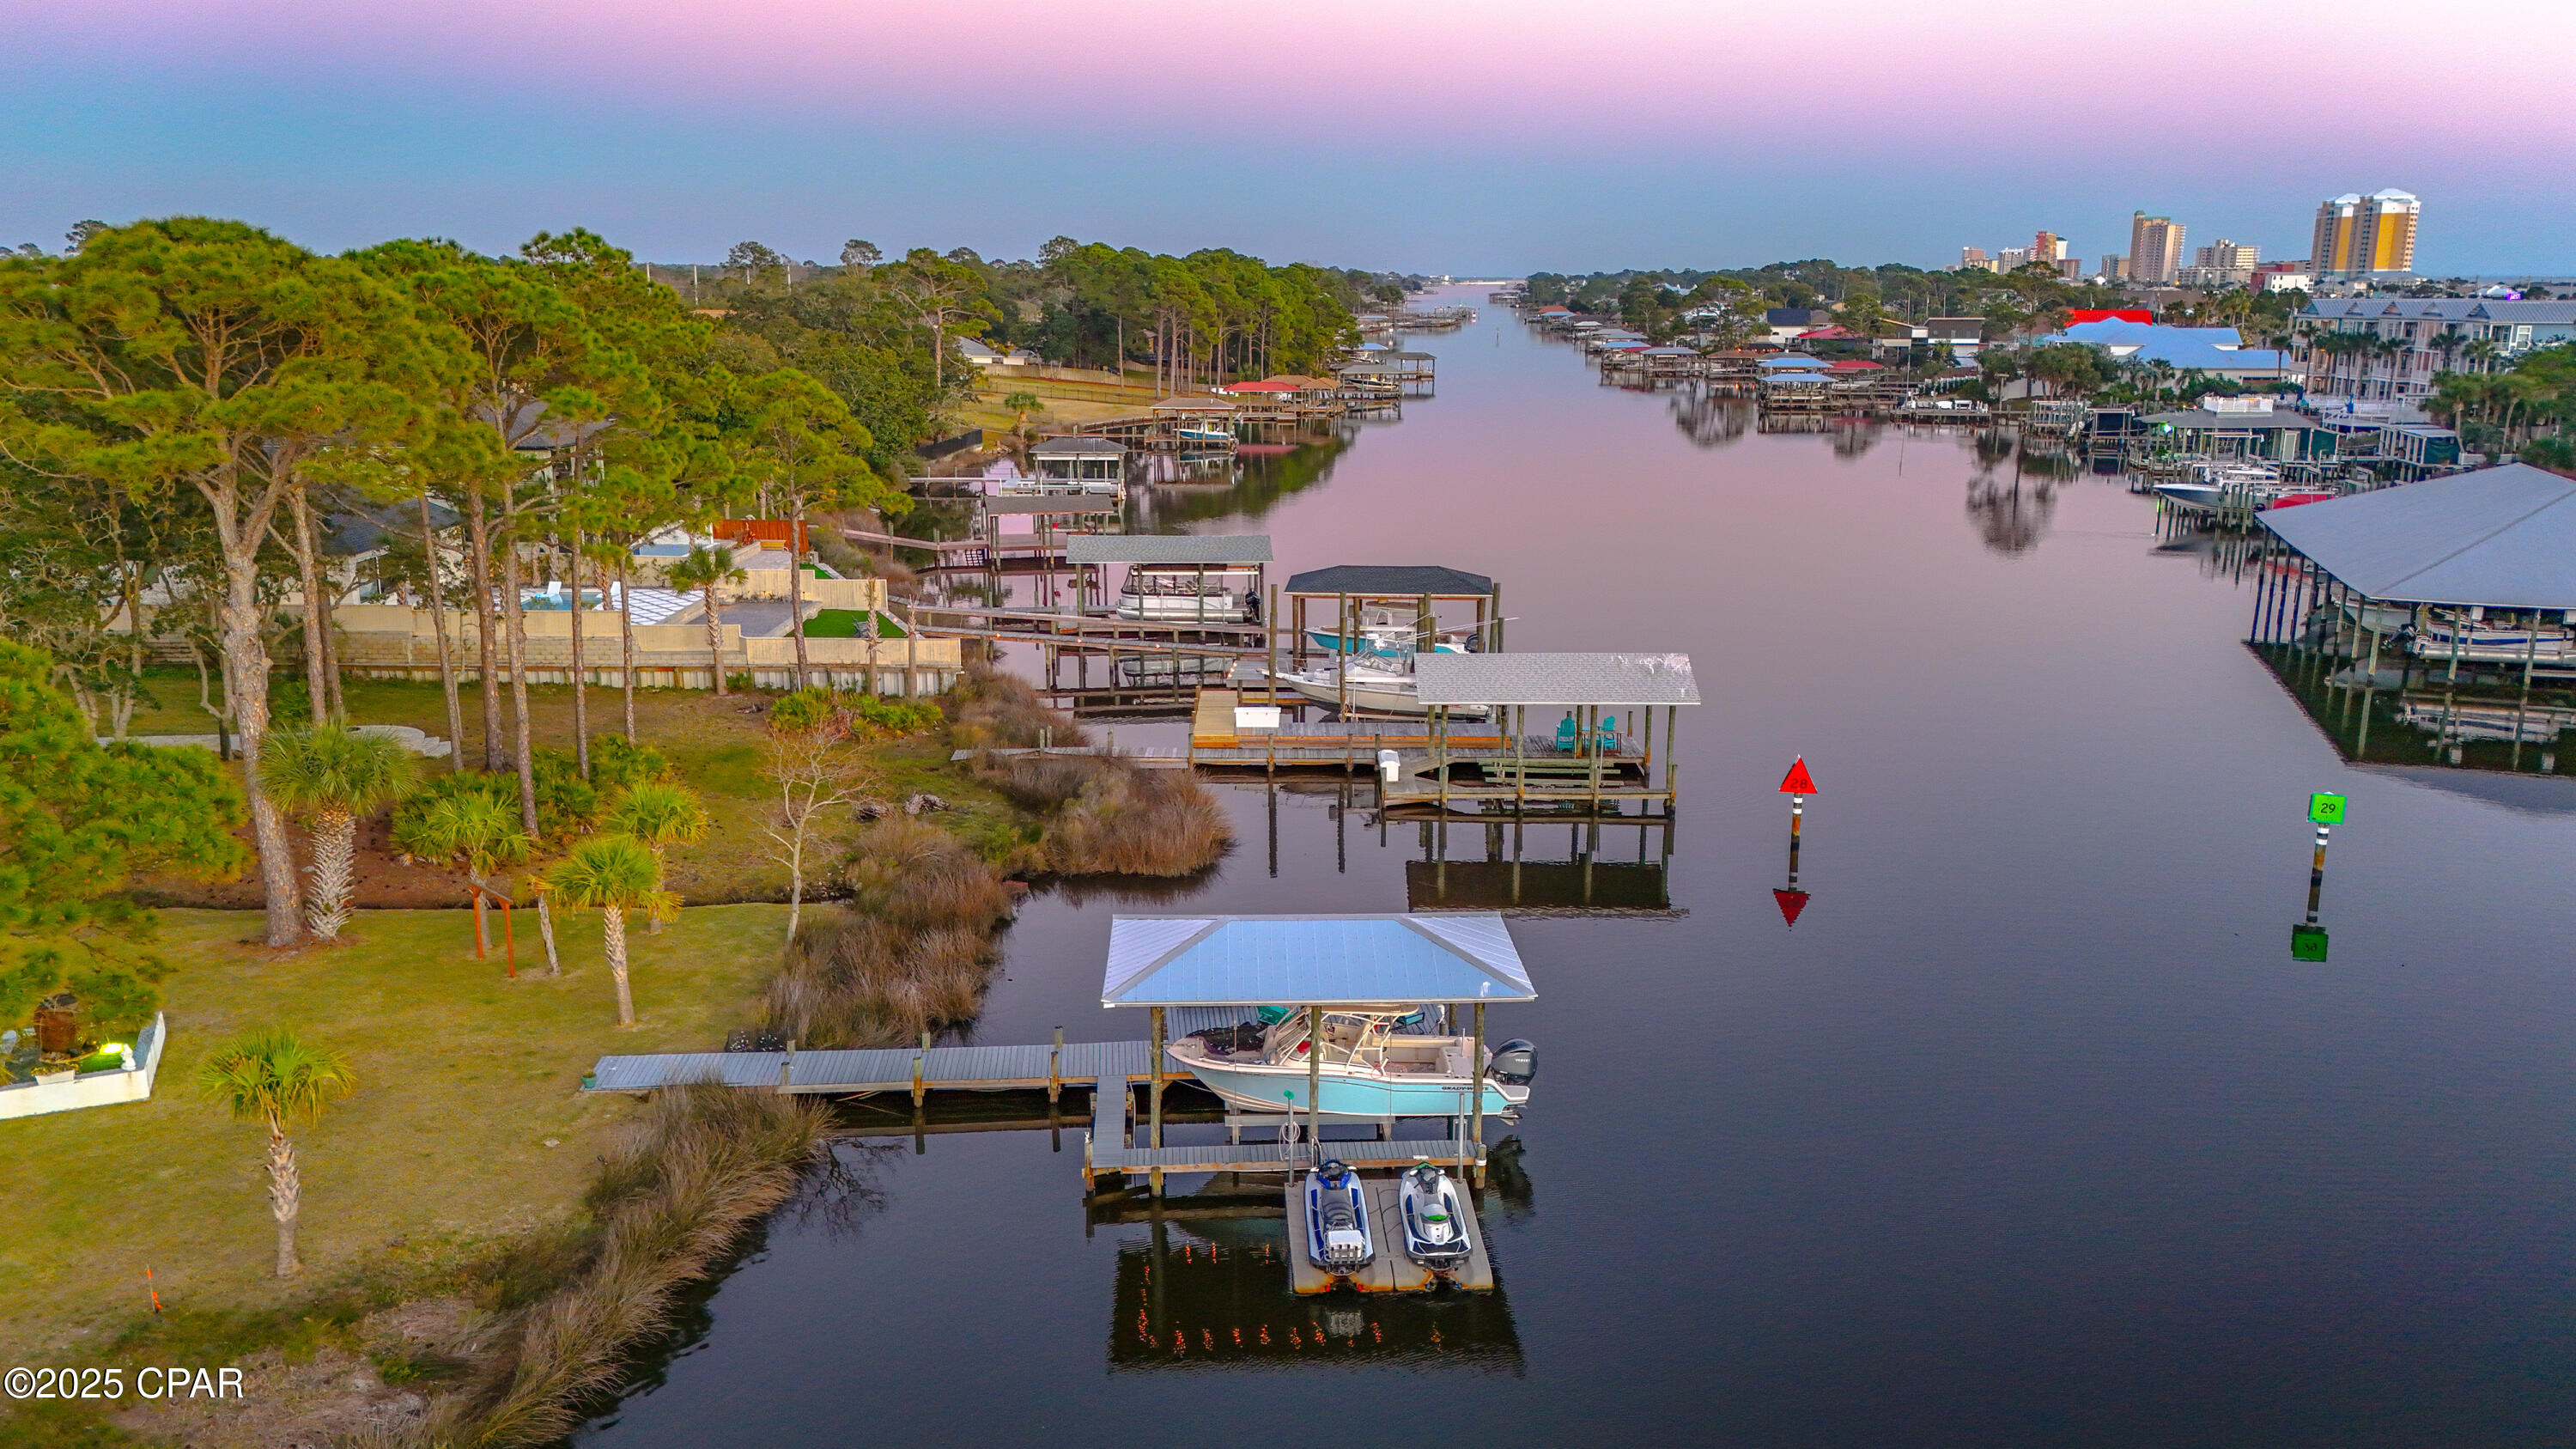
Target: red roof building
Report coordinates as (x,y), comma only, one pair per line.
(2081,315)
(1830,334)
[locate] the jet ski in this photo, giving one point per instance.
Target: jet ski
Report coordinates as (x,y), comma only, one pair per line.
(1337,1228)
(1435,1222)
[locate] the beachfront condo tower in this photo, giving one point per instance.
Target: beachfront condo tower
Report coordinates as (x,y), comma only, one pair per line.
(2155,249)
(2360,235)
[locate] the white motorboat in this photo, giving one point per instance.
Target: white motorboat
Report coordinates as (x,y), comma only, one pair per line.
(1367,1071)
(2445,634)
(1435,1220)
(1337,1226)
(1375,689)
(1386,634)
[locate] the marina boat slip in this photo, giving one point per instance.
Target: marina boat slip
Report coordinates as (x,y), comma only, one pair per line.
(1366,686)
(1375,1065)
(1323,1014)
(1172,578)
(1388,634)
(2504,637)
(1075,465)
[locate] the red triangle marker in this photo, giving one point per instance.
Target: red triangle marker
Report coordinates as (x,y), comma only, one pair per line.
(1791,903)
(1799,782)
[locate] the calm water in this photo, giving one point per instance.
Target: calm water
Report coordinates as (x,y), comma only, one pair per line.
(2029,1132)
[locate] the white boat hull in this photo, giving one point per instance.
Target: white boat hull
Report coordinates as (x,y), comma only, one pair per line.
(1374,693)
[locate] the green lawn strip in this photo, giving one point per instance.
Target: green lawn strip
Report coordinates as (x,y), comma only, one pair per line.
(845,624)
(463,1076)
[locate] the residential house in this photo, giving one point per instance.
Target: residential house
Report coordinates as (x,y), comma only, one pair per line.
(2409,339)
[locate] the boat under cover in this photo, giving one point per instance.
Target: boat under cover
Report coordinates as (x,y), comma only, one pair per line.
(1369,1070)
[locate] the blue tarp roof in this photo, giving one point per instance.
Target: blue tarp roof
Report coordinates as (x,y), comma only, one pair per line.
(1311,960)
(2504,537)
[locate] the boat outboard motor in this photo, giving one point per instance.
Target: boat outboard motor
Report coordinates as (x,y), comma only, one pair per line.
(1515,1063)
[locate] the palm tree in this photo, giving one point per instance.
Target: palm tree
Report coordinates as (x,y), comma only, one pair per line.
(615,874)
(660,813)
(477,829)
(332,775)
(274,1079)
(703,570)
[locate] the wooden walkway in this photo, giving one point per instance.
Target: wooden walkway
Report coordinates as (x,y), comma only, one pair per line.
(883,1069)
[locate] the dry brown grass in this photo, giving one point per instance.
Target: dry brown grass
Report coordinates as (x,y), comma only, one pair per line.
(1130,821)
(912,953)
(706,1163)
(999,711)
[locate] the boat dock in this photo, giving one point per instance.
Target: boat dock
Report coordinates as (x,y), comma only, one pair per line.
(1390,1271)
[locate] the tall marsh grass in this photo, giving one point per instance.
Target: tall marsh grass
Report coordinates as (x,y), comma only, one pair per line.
(703,1165)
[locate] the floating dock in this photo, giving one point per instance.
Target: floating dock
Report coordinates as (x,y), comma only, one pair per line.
(1390,1271)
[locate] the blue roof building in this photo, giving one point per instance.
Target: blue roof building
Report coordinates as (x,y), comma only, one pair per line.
(2218,351)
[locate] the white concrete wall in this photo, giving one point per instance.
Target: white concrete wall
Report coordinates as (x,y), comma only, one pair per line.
(92,1089)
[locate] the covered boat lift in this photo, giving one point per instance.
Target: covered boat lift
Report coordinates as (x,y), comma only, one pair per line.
(1242,963)
(1584,758)
(1185,560)
(1354,587)
(2494,548)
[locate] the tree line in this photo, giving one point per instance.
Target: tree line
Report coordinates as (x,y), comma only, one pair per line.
(877,327)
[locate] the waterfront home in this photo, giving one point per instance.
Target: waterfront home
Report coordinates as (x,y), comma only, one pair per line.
(2340,352)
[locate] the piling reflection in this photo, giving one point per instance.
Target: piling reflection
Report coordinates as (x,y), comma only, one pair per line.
(1202,1284)
(1710,419)
(2394,714)
(1536,866)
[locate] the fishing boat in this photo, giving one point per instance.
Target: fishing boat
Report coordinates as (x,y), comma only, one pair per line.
(1390,635)
(1435,1222)
(1337,1227)
(1373,688)
(2446,634)
(1374,1064)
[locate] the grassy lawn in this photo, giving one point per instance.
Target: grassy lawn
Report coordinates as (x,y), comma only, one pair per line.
(465,1078)
(845,624)
(713,743)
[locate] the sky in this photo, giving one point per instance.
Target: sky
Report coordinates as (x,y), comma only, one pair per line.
(1474,137)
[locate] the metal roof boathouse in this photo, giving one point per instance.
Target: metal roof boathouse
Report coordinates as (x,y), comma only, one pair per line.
(2474,569)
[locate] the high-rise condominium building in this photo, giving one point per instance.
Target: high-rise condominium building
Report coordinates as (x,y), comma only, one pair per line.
(2227,256)
(2357,235)
(1975,257)
(2155,249)
(2048,247)
(2114,268)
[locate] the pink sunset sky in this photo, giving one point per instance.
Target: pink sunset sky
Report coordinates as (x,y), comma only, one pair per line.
(1494,137)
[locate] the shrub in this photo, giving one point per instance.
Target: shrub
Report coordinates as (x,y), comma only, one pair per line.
(1130,821)
(896,716)
(997,711)
(913,953)
(807,708)
(566,803)
(617,765)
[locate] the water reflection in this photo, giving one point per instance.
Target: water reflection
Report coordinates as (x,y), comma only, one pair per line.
(1203,1285)
(2411,716)
(1709,420)
(2011,517)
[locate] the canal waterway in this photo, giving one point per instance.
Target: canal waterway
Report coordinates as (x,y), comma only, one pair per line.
(2029,1131)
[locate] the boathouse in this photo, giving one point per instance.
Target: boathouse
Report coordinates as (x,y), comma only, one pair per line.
(2280,436)
(1216,971)
(1172,577)
(1602,749)
(1357,587)
(1077,465)
(2476,568)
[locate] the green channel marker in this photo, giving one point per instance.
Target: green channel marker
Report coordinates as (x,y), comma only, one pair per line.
(2325,809)
(2307,943)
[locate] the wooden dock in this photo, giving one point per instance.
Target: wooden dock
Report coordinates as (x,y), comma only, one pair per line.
(1390,1271)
